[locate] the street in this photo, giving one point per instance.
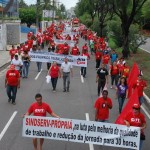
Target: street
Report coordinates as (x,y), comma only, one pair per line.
(146,46)
(76,104)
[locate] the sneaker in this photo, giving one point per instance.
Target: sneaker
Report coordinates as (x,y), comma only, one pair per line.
(64,90)
(54,90)
(14,103)
(9,100)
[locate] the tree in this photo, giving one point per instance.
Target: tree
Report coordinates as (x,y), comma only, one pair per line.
(22,4)
(86,6)
(126,10)
(27,15)
(62,8)
(146,10)
(80,8)
(104,11)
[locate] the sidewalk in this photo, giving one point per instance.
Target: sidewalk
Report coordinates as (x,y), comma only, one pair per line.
(4,55)
(4,58)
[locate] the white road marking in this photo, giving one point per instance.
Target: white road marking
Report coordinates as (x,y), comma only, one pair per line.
(144,50)
(145,112)
(91,147)
(7,125)
(38,75)
(82,79)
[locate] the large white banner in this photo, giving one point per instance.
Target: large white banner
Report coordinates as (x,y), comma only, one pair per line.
(80,61)
(81,131)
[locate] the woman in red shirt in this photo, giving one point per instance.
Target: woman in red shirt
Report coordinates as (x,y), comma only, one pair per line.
(136,119)
(114,72)
(54,72)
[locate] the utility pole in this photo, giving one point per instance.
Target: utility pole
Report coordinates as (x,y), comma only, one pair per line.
(53,11)
(37,13)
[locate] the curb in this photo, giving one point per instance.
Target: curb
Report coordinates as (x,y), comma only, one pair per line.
(146,98)
(7,63)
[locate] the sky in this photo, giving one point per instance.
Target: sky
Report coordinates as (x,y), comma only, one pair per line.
(68,3)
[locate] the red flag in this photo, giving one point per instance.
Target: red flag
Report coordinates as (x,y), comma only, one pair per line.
(128,108)
(132,78)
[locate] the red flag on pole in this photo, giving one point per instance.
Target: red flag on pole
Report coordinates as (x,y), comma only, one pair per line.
(128,108)
(132,78)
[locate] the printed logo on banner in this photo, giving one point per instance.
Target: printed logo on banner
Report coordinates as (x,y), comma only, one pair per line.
(80,61)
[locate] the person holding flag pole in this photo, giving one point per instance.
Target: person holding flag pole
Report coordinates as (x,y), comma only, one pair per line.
(137,119)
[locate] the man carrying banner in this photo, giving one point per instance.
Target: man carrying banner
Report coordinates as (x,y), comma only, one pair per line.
(75,50)
(136,119)
(102,106)
(141,86)
(66,68)
(40,109)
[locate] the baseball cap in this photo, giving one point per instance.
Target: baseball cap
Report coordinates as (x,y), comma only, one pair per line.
(136,106)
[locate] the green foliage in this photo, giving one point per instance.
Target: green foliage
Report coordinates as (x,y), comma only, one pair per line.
(146,10)
(22,4)
(62,8)
(135,38)
(27,15)
(85,19)
(79,9)
(95,27)
(115,31)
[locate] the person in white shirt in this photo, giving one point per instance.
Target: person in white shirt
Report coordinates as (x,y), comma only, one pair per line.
(17,63)
(66,69)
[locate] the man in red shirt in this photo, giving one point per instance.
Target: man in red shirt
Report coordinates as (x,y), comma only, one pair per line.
(137,119)
(66,48)
(141,86)
(12,82)
(12,52)
(98,57)
(68,37)
(102,106)
(125,71)
(75,50)
(85,47)
(105,60)
(40,109)
(30,43)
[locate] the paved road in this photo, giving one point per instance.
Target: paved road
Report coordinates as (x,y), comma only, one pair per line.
(75,104)
(146,46)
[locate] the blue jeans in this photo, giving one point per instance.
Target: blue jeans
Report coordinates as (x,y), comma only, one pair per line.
(25,69)
(141,144)
(11,92)
(66,80)
(54,82)
(121,100)
(141,100)
(39,66)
